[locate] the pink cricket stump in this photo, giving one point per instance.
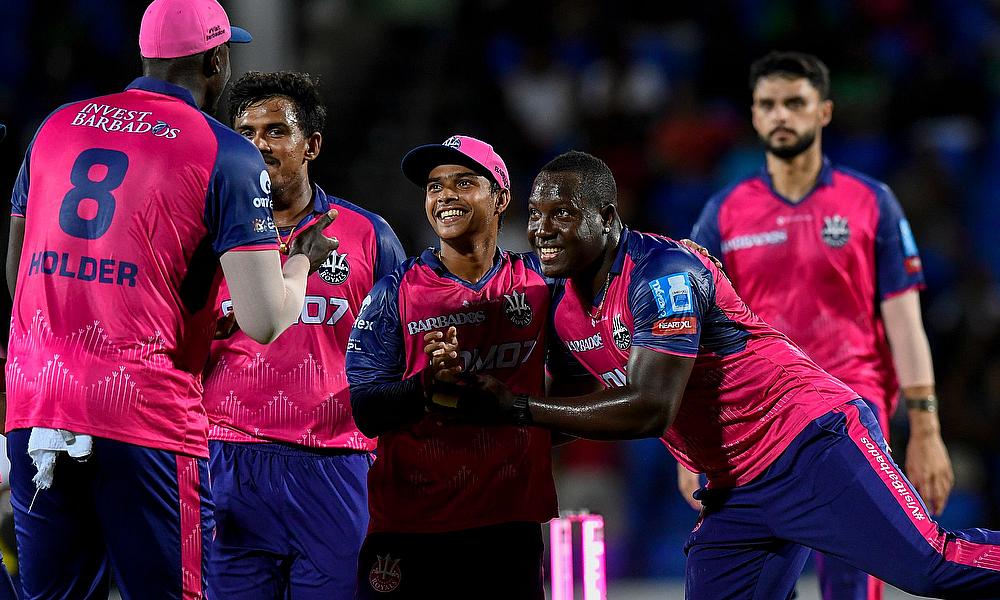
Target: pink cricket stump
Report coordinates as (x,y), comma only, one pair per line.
(595,585)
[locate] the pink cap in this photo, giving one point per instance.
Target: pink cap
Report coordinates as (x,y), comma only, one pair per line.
(175,28)
(458,150)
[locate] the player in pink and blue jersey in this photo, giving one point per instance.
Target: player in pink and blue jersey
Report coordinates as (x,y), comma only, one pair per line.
(852,300)
(124,208)
(280,414)
(455,509)
(794,459)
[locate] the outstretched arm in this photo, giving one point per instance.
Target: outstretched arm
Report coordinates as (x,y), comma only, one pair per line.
(643,407)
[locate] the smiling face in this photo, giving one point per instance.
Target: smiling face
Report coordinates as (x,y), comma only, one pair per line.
(273,126)
(458,202)
(564,230)
(788,114)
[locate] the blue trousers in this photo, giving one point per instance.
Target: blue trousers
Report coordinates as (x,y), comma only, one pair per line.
(143,514)
(839,580)
(835,489)
(290,521)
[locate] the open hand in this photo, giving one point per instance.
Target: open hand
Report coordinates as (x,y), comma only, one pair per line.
(929,469)
(313,244)
(696,247)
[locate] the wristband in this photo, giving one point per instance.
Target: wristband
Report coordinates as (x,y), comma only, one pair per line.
(927,404)
(520,411)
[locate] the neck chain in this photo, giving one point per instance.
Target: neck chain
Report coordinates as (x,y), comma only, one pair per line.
(595,313)
(283,244)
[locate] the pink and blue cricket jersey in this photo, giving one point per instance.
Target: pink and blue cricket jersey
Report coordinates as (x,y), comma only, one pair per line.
(739,411)
(128,201)
(434,476)
(794,459)
(818,269)
(295,389)
(280,416)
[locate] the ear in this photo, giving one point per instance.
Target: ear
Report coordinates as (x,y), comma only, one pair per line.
(502,201)
(212,64)
(609,214)
(313,143)
(825,112)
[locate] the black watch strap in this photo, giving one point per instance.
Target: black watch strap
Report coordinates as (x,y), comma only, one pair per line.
(520,410)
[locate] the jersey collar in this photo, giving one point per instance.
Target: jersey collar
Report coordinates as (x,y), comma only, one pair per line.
(825,178)
(429,258)
(617,266)
(321,204)
(151,84)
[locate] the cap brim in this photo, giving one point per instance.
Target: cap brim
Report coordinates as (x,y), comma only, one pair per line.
(239,35)
(419,162)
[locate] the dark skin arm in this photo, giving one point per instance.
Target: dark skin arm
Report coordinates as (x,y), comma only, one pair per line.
(563,387)
(14,244)
(644,408)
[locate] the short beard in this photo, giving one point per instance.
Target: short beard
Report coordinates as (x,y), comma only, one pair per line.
(789,152)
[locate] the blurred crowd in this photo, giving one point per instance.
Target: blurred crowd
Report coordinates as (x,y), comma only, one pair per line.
(659,91)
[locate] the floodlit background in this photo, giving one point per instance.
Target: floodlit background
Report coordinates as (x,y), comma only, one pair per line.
(659,91)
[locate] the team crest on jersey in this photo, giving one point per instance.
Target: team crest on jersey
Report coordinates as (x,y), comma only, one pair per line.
(335,269)
(836,231)
(620,334)
(517,308)
(385,575)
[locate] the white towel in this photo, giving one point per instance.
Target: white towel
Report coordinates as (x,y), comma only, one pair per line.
(44,447)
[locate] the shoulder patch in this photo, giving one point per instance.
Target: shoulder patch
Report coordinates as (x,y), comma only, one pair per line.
(672,294)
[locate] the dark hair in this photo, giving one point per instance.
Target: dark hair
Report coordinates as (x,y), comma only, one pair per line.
(793,65)
(597,184)
(303,90)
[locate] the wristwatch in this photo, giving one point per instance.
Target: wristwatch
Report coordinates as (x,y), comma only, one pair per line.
(519,410)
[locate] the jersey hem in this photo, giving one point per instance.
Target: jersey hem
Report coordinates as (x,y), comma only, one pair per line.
(270,245)
(665,351)
(452,525)
(916,286)
(144,441)
(223,433)
(794,429)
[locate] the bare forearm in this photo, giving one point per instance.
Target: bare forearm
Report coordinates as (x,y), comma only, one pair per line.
(613,414)
(911,353)
(267,298)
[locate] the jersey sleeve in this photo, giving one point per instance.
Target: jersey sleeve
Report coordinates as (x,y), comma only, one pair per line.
(375,352)
(238,205)
(706,229)
(19,197)
(897,259)
(669,295)
(389,252)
